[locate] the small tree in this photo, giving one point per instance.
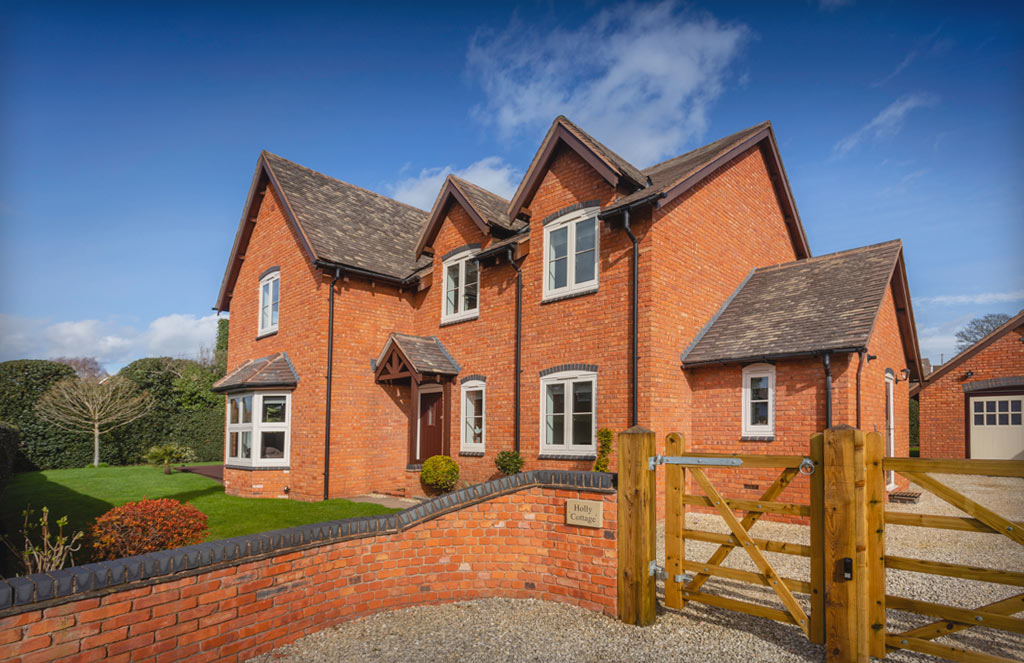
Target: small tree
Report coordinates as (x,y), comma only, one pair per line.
(165,454)
(979,328)
(92,405)
(85,367)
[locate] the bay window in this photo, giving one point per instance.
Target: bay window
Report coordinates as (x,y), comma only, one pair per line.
(258,429)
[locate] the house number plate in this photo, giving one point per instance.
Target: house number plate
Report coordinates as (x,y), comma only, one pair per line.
(584,513)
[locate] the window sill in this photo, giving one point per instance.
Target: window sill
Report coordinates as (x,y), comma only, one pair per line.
(256,468)
(476,454)
(411,467)
(567,456)
(448,323)
(757,438)
(266,334)
(551,299)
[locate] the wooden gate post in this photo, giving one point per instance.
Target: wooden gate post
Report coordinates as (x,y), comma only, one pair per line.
(874,452)
(675,521)
(817,480)
(845,551)
(636,523)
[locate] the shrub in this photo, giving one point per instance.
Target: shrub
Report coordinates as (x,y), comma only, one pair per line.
(604,450)
(9,442)
(147,526)
(43,445)
(201,431)
(440,472)
(509,462)
(53,550)
(165,454)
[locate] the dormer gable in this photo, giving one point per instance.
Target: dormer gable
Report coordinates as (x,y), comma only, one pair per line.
(487,210)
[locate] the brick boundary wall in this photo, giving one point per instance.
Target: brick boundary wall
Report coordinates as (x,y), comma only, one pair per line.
(236,598)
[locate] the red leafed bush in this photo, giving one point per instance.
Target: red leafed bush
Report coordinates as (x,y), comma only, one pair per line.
(147,526)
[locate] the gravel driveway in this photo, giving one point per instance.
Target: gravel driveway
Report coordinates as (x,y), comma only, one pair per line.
(494,630)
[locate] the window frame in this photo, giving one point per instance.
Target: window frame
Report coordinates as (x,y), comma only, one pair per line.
(571,221)
(568,378)
(460,259)
(749,429)
(256,427)
(465,445)
(271,327)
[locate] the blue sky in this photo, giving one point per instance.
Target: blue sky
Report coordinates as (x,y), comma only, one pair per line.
(129,134)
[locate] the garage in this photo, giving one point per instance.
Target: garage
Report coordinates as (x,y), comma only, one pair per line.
(996,426)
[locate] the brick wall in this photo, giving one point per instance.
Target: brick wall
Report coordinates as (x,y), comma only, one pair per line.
(233,599)
(942,401)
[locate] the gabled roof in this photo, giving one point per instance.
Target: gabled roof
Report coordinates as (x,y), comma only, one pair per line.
(425,355)
(274,370)
(993,336)
(612,167)
(337,222)
(808,307)
(488,211)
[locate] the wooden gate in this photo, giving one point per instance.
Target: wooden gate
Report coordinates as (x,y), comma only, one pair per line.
(846,591)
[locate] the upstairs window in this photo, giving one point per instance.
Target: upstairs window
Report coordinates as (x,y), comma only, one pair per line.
(571,254)
(270,298)
(568,413)
(461,289)
(258,429)
(759,401)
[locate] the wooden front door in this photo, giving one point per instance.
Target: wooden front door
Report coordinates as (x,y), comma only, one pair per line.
(431,415)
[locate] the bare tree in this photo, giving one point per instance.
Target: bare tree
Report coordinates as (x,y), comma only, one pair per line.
(979,328)
(85,367)
(91,405)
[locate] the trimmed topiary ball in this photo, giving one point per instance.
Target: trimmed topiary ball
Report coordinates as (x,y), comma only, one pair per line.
(509,462)
(440,472)
(147,526)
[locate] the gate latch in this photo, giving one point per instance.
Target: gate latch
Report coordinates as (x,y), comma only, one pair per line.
(656,570)
(847,568)
(654,461)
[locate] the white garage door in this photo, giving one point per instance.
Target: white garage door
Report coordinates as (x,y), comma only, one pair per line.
(997,431)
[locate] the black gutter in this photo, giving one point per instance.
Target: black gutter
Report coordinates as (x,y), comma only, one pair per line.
(330,366)
(828,390)
(376,276)
(767,358)
(519,335)
(635,315)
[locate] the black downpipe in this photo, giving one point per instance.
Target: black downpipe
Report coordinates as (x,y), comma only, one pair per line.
(828,391)
(860,368)
(330,366)
(519,335)
(634,350)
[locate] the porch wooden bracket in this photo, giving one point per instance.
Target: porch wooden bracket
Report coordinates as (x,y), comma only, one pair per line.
(767,573)
(747,523)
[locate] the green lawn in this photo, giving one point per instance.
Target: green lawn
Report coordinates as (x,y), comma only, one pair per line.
(84,494)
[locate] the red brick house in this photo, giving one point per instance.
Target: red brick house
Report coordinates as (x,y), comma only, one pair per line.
(367,335)
(970,407)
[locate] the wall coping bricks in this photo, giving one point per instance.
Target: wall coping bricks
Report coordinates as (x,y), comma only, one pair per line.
(41,590)
(994,383)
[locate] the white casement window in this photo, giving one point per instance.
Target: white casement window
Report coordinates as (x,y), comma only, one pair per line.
(571,253)
(461,299)
(474,404)
(270,298)
(258,429)
(759,400)
(568,413)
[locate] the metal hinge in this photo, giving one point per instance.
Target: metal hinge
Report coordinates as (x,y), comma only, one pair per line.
(654,461)
(656,570)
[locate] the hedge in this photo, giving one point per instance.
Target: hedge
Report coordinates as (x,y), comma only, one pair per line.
(43,446)
(8,453)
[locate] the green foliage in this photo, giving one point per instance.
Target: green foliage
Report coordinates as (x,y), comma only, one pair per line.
(147,526)
(192,388)
(220,350)
(202,431)
(604,449)
(53,550)
(43,445)
(440,472)
(9,442)
(509,462)
(915,427)
(166,454)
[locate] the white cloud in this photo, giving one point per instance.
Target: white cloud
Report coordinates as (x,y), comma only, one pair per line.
(938,343)
(911,56)
(491,173)
(641,77)
(976,298)
(888,123)
(111,343)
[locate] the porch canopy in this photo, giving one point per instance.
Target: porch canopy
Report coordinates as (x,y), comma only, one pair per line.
(421,358)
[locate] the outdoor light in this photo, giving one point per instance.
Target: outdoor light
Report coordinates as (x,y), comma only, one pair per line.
(968,375)
(905,374)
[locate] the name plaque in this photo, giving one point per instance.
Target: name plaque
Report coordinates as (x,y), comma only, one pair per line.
(584,513)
